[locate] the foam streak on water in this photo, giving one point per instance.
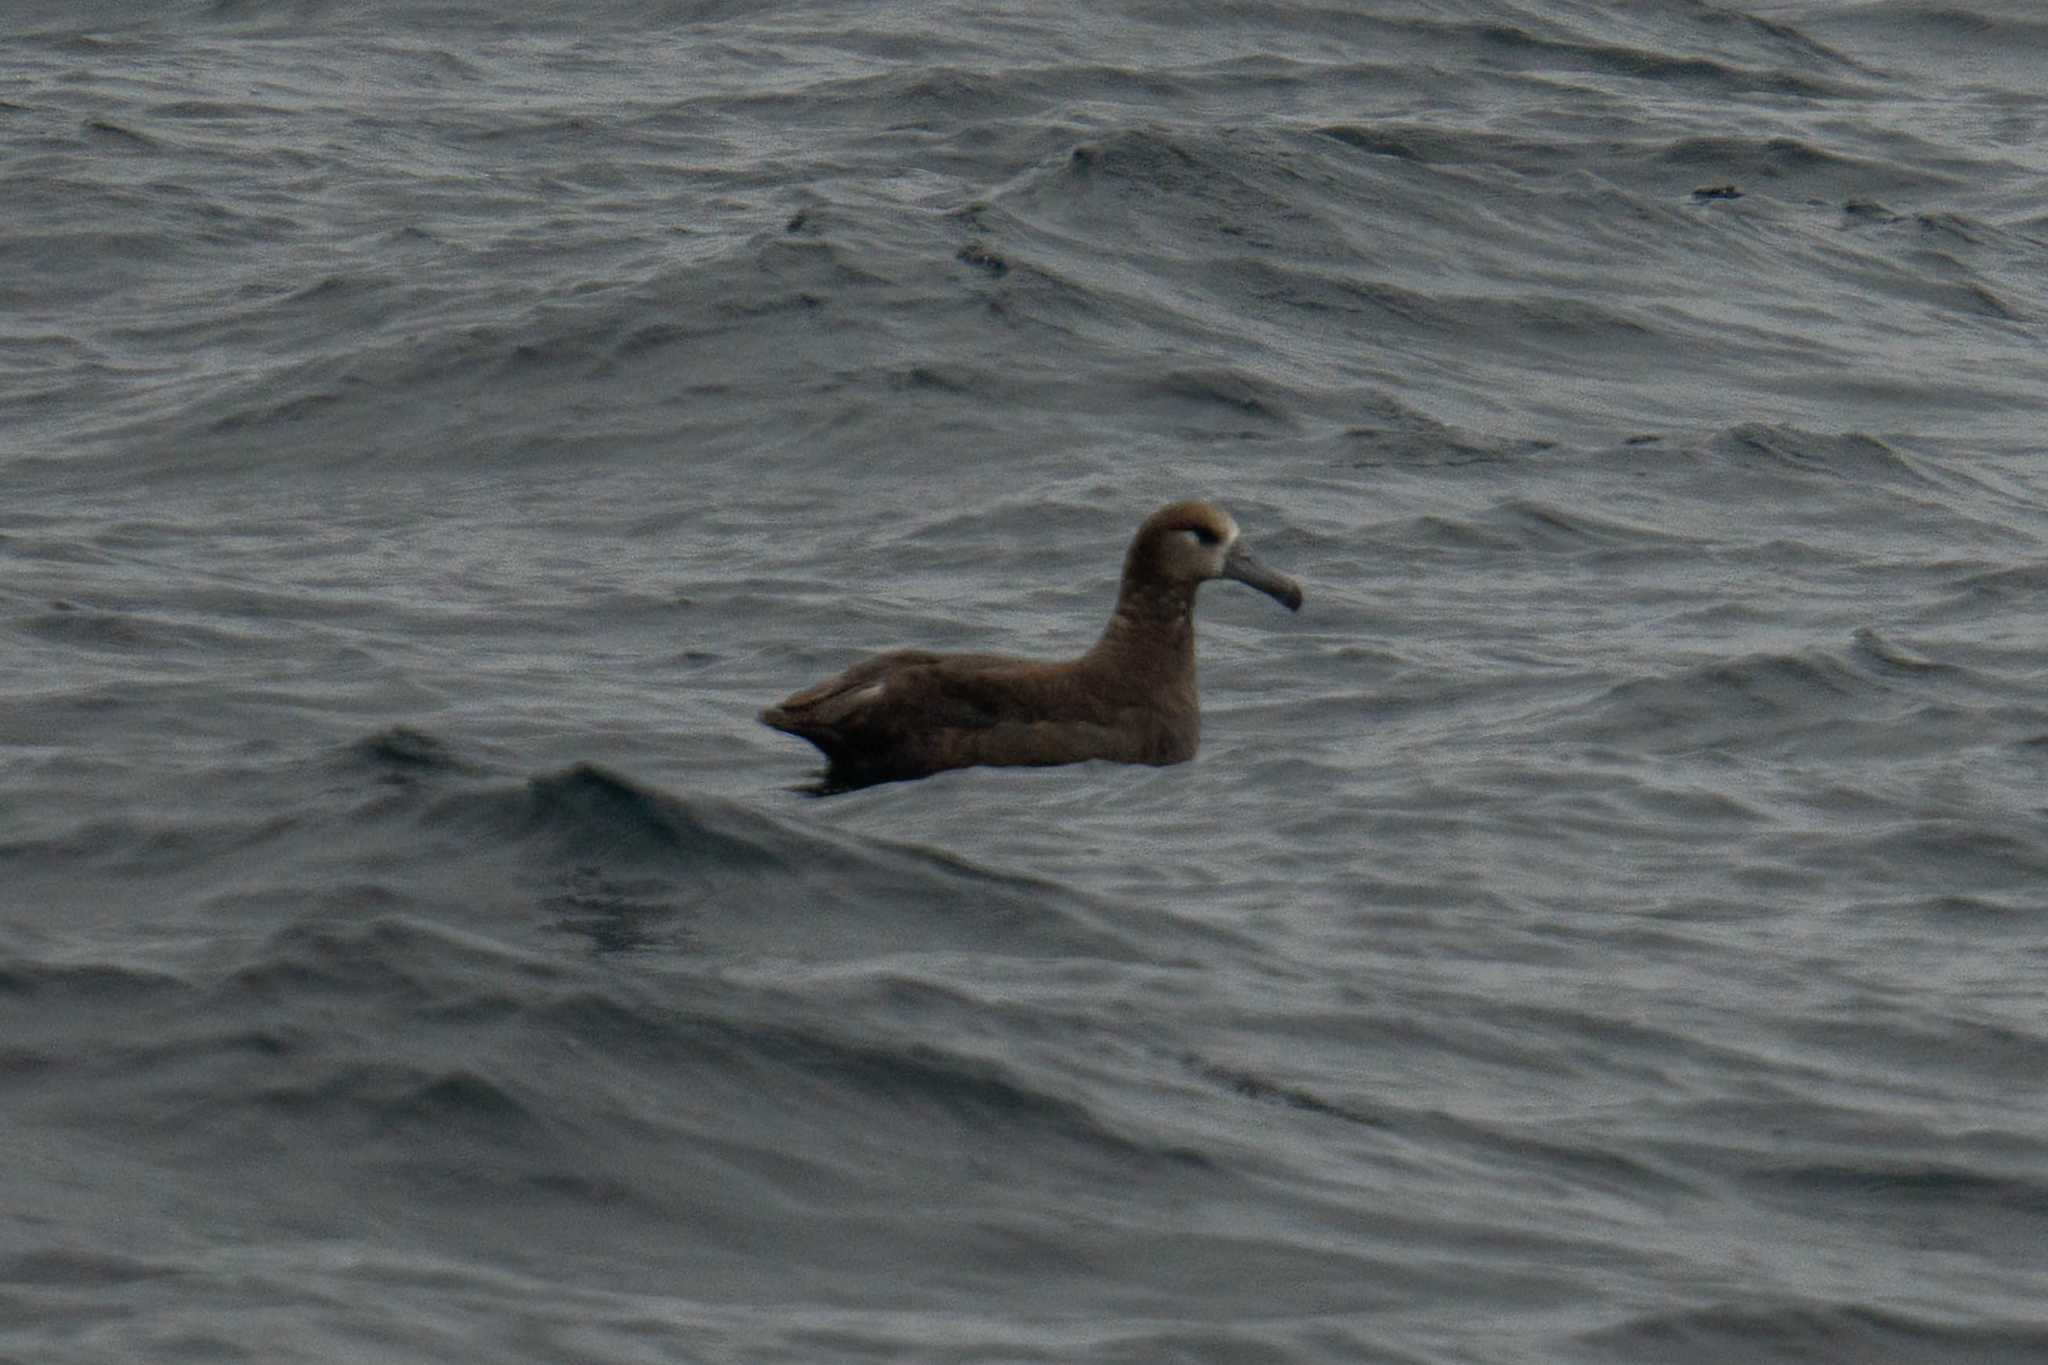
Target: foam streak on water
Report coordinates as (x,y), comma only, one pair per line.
(1605,925)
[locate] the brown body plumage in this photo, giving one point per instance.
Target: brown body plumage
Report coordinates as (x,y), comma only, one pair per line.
(1130,699)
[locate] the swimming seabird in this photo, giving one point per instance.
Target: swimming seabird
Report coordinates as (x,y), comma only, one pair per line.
(1130,699)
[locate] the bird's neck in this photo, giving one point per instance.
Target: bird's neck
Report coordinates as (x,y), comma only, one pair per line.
(1151,633)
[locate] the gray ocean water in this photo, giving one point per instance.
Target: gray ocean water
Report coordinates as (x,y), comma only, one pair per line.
(1606,925)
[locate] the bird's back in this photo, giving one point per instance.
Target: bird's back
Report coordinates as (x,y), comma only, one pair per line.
(912,713)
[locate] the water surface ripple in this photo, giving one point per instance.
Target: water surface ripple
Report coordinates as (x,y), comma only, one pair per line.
(1600,928)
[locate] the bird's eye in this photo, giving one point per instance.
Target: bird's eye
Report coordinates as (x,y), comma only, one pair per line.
(1205,535)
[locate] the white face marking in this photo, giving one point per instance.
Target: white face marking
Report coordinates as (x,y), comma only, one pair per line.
(1208,558)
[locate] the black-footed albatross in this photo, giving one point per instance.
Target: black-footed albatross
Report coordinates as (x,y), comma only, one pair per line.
(1130,699)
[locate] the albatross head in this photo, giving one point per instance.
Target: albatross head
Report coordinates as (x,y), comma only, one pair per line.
(1192,542)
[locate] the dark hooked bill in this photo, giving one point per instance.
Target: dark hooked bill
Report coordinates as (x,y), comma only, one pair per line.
(1240,565)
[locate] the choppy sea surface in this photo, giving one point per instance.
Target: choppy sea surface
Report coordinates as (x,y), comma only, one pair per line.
(1607,925)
